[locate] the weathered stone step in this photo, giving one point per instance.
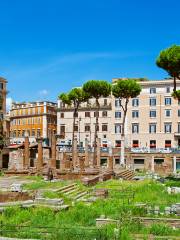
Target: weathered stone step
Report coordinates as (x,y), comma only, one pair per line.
(66,188)
(82,194)
(47,201)
(54,207)
(74,190)
(126,174)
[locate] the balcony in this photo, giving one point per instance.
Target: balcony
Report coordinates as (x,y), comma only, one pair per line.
(177,134)
(90,107)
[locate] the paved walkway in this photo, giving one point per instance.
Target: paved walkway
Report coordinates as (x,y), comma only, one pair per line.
(5,182)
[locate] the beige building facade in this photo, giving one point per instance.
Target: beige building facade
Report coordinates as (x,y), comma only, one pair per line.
(153,119)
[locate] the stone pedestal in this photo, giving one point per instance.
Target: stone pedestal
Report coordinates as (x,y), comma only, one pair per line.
(53,152)
(86,154)
(40,154)
(26,152)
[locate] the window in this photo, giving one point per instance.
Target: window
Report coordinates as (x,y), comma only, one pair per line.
(28,132)
(135,114)
(152,101)
(76,128)
(135,143)
(62,129)
(167,89)
(23,133)
(14,133)
(87,114)
(152,113)
(33,132)
(118,128)
(105,102)
(104,114)
(152,90)
(167,127)
(158,160)
(178,112)
(33,110)
(38,132)
(152,144)
(168,113)
(39,120)
(167,101)
(152,128)
(135,102)
(167,143)
(87,128)
(96,113)
(138,161)
(62,115)
(104,127)
(135,128)
(178,127)
(117,102)
(117,114)
(104,136)
(39,110)
(118,143)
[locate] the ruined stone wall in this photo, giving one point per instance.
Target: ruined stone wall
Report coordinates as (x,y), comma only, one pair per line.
(16,159)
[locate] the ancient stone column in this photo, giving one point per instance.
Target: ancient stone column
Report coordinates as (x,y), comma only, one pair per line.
(81,164)
(40,154)
(110,159)
(53,152)
(174,164)
(75,154)
(86,154)
(63,161)
(26,152)
(152,164)
(98,152)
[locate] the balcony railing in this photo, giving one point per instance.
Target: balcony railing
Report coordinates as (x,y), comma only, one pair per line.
(85,107)
(177,134)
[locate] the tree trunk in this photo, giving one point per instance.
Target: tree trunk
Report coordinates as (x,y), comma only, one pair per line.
(174,90)
(122,160)
(73,149)
(95,134)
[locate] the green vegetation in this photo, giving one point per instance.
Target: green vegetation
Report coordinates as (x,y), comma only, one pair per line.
(79,222)
(169,60)
(41,184)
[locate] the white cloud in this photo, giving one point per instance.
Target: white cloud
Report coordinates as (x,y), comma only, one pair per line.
(8,103)
(43,92)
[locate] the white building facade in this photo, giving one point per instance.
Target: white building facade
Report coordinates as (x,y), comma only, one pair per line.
(153,119)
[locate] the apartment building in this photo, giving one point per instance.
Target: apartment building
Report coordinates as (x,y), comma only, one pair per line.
(36,119)
(153,119)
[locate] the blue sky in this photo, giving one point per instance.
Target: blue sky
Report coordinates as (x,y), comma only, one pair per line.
(50,46)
